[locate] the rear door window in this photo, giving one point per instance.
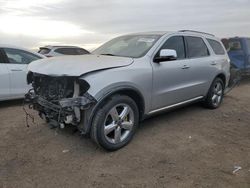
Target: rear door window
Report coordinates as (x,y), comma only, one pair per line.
(196,47)
(216,46)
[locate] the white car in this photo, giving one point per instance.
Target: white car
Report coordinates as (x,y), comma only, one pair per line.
(13,71)
(52,51)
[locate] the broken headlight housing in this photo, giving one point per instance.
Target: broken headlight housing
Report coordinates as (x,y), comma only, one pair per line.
(59,100)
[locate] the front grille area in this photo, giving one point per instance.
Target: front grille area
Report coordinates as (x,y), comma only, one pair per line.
(53,88)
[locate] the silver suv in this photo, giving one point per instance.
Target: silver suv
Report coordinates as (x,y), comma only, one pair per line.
(128,79)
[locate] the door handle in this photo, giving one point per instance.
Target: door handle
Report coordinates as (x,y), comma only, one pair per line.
(185,67)
(214,63)
(16,70)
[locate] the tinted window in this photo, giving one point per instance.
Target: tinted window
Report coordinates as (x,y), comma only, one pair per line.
(81,51)
(16,56)
(235,45)
(176,43)
(71,51)
(216,46)
(65,51)
(196,47)
(44,51)
(2,57)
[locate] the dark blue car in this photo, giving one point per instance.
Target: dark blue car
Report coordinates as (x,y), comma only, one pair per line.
(239,52)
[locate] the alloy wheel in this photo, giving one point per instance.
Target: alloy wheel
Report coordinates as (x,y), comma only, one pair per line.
(217,94)
(118,123)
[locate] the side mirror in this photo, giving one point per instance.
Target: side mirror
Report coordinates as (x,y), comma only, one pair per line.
(166,55)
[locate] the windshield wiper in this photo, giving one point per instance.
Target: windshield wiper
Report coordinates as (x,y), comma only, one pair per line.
(108,54)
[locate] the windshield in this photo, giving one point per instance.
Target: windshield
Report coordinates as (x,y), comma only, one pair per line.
(128,46)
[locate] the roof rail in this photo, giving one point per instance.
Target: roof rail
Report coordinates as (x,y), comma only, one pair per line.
(196,32)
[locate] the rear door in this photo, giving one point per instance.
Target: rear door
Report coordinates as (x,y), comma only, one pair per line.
(4,78)
(18,61)
(202,68)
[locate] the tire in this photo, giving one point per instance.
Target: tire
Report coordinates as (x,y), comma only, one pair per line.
(215,94)
(115,123)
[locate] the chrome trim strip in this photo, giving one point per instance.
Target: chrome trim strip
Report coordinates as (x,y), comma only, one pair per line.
(174,105)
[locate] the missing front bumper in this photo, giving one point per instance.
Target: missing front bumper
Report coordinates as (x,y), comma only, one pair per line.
(65,111)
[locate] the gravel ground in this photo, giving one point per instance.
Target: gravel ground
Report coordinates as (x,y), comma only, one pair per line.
(189,147)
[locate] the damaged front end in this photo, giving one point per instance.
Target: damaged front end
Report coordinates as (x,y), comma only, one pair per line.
(59,100)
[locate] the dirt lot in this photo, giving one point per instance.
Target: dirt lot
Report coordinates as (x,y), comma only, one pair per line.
(189,147)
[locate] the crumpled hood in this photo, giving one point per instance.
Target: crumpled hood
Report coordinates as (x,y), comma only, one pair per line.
(77,65)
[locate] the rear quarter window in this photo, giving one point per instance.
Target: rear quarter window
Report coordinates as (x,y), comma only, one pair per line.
(216,46)
(196,47)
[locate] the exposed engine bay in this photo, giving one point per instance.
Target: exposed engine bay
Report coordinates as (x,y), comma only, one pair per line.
(59,100)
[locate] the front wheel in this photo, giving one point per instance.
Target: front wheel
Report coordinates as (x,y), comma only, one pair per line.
(114,124)
(215,94)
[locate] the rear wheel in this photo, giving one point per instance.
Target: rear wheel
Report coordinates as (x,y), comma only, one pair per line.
(215,94)
(115,122)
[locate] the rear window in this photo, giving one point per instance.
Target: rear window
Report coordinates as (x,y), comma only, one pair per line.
(71,51)
(196,47)
(216,46)
(44,51)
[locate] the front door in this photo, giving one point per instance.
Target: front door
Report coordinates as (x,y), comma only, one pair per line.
(4,78)
(170,78)
(18,61)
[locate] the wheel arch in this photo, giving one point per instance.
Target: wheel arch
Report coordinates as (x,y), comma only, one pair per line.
(222,77)
(132,92)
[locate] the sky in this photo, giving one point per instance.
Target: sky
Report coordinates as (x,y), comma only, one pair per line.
(89,23)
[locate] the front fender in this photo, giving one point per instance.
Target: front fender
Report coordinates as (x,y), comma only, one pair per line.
(107,82)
